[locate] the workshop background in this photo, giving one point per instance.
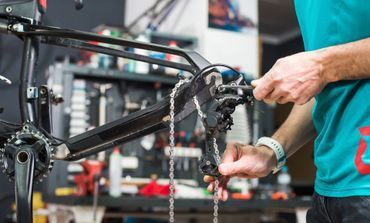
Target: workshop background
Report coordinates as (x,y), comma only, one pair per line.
(98,89)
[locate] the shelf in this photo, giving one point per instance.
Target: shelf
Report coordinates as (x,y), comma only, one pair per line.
(85,71)
(134,202)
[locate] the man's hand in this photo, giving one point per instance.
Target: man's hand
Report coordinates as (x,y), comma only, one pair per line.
(296,78)
(242,161)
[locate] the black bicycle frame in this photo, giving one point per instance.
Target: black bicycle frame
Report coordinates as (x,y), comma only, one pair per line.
(104,137)
(29,60)
(22,19)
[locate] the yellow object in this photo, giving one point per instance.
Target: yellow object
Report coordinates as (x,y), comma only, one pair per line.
(40,219)
(37,204)
(65,191)
(37,201)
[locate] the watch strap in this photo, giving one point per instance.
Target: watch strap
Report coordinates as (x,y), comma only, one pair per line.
(277,148)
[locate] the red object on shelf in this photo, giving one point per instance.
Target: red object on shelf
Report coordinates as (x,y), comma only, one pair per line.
(240,196)
(279,196)
(182,134)
(42,6)
(154,189)
(85,181)
(43,3)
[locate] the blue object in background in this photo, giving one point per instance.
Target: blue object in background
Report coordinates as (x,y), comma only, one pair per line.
(231,75)
(154,68)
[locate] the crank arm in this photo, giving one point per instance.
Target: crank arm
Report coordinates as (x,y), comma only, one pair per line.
(24,179)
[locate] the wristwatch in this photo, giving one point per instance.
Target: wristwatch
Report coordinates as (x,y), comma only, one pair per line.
(277,148)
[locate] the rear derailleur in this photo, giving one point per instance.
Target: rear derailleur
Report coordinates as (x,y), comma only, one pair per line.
(219,120)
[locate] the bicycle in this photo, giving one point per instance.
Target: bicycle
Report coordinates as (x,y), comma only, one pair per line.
(30,149)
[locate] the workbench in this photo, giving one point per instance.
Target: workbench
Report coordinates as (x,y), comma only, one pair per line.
(194,209)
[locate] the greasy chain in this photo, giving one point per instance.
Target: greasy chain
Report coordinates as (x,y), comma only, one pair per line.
(172,151)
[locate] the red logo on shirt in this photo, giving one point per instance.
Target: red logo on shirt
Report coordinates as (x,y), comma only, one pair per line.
(362,167)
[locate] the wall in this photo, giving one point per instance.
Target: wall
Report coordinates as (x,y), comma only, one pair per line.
(60,13)
(190,17)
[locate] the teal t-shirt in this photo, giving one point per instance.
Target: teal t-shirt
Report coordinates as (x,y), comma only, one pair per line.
(341,114)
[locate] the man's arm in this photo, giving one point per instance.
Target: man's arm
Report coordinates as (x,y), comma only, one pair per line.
(297,130)
(347,62)
(299,77)
(251,162)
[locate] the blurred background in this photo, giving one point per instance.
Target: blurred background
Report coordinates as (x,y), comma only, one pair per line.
(247,35)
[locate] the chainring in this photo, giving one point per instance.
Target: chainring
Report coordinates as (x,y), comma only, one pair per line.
(40,145)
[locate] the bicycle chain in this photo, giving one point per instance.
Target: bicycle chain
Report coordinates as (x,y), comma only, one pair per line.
(218,159)
(171,199)
(171,156)
(215,191)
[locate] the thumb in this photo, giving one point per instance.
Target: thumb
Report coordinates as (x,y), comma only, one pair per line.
(255,83)
(229,169)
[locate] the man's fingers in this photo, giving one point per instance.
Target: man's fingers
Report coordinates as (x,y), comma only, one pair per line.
(208,179)
(210,187)
(254,83)
(224,195)
(282,100)
(229,169)
(275,95)
(268,101)
(261,92)
(248,176)
(224,181)
(263,88)
(305,93)
(231,153)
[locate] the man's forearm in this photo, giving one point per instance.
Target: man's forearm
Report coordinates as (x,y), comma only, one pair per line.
(299,77)
(297,130)
(348,61)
